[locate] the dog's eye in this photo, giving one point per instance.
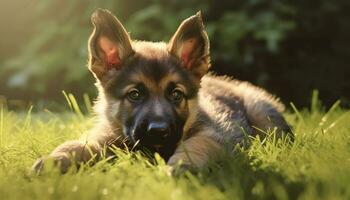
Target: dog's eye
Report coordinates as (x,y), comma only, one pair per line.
(134,95)
(176,95)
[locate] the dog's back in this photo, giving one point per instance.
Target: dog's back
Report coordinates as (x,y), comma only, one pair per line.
(237,108)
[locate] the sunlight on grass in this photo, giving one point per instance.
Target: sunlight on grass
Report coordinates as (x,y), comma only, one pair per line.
(315,166)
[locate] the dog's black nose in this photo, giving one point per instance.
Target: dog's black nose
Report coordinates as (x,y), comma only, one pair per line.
(158,127)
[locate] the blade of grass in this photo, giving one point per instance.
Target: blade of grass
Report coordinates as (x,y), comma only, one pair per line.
(67,99)
(1,124)
(300,117)
(314,101)
(87,102)
(27,120)
(75,106)
(330,111)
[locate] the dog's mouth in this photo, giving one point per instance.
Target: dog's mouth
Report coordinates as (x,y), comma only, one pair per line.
(157,140)
(164,144)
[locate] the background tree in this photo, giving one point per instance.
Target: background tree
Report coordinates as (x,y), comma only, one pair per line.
(288,47)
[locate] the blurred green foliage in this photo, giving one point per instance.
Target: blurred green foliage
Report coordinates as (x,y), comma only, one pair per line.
(289,47)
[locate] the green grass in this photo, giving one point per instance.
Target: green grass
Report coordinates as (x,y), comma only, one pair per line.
(315,166)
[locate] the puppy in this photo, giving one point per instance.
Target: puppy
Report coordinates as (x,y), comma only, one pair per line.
(158,97)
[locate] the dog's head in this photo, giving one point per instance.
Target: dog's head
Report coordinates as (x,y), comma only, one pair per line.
(149,89)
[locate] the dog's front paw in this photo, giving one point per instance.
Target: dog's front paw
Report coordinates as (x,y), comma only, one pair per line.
(38,166)
(62,162)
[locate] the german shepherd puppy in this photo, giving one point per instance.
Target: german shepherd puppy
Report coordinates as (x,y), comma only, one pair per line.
(158,96)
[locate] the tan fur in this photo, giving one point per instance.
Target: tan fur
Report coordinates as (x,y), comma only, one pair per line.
(195,151)
(151,50)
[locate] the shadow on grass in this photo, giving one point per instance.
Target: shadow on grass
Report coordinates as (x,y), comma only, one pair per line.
(235,175)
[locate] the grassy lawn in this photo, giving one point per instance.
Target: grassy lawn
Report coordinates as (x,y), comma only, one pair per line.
(315,166)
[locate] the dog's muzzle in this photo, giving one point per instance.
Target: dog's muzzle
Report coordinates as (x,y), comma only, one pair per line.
(157,135)
(154,132)
(159,128)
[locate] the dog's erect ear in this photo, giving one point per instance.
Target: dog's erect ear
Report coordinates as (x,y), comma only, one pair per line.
(109,44)
(190,44)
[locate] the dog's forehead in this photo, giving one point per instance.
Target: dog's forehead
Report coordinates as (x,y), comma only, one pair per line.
(151,50)
(156,73)
(153,63)
(153,67)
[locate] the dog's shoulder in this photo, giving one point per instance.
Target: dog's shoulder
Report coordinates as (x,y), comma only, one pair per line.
(245,91)
(223,108)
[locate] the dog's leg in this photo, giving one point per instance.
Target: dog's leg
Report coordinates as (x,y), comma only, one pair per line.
(88,149)
(68,153)
(194,152)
